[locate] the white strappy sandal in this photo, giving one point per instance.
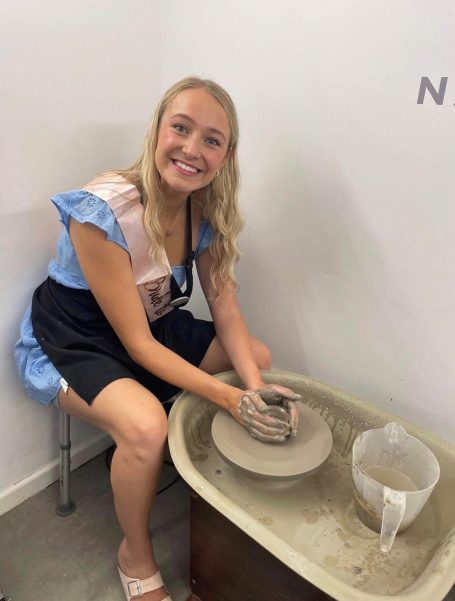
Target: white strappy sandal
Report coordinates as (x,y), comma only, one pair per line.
(135,588)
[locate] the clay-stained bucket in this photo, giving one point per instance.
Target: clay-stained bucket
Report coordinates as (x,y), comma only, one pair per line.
(394,474)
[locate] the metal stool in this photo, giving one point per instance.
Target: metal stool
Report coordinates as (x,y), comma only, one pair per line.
(65,506)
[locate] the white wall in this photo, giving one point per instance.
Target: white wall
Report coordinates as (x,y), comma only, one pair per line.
(347,187)
(79,83)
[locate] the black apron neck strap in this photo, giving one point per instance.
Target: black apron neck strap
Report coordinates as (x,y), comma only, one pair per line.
(180,298)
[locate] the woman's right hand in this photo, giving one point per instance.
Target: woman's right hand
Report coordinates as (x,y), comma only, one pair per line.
(248,411)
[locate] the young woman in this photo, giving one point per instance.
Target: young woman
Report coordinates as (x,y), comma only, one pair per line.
(105,338)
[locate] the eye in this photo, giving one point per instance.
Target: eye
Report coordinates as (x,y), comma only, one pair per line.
(179,128)
(212,142)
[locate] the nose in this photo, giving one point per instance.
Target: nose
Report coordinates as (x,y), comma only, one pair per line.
(191,148)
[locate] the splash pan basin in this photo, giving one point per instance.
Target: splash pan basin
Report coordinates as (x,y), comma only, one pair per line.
(312,526)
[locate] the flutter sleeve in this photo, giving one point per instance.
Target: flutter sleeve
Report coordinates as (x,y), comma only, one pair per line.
(86,207)
(206,235)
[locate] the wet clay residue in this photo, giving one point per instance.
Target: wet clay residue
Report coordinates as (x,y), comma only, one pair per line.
(266,521)
(199,441)
(311,516)
(331,561)
(316,518)
(199,457)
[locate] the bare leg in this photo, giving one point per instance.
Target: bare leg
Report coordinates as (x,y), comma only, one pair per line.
(137,422)
(216,360)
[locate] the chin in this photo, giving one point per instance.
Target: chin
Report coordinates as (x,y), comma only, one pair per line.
(180,187)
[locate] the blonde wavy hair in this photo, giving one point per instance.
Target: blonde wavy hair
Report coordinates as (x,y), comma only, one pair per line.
(218,200)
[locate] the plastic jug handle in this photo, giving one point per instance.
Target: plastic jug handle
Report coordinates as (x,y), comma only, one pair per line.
(394,508)
(395,432)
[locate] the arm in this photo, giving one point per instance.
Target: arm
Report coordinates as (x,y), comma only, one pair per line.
(229,324)
(107,269)
(235,340)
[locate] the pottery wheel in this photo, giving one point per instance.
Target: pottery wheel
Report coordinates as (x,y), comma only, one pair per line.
(293,458)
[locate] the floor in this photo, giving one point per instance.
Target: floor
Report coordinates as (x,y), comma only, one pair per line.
(44,557)
(47,558)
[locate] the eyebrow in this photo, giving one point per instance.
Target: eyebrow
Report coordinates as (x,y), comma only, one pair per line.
(211,129)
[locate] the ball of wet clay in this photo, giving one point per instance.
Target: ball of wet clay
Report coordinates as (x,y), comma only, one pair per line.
(277,412)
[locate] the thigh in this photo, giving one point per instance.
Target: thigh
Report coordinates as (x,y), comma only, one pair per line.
(216,360)
(117,409)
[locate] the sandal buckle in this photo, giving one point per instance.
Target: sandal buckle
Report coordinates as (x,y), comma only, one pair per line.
(138,589)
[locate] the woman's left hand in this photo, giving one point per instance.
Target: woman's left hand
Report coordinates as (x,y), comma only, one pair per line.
(250,412)
(275,394)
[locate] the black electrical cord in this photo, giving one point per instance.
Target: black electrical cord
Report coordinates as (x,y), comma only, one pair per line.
(168,485)
(110,453)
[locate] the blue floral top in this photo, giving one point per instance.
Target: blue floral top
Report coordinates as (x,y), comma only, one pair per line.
(38,376)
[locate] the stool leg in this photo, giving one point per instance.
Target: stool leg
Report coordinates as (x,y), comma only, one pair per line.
(65,506)
(2,596)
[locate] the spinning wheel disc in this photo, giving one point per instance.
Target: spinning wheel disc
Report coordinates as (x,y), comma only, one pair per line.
(292,459)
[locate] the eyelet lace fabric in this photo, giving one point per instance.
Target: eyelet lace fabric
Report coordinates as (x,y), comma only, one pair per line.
(37,374)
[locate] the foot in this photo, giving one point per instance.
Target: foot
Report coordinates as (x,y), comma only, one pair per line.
(141,570)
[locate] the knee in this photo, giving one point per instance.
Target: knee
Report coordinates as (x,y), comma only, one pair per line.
(146,435)
(263,356)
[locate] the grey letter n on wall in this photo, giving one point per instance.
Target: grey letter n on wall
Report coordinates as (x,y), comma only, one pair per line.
(437,95)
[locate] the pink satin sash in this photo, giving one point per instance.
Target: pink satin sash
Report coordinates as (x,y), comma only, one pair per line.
(152,279)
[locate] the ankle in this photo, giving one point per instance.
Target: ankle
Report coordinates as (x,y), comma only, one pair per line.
(137,559)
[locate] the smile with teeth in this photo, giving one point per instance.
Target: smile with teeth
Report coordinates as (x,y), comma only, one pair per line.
(185,167)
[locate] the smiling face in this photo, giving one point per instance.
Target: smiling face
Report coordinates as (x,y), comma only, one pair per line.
(193,142)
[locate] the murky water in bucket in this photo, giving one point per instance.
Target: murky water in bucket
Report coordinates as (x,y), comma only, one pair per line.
(388,476)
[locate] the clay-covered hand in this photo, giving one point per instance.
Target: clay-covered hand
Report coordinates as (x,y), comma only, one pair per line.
(274,394)
(266,428)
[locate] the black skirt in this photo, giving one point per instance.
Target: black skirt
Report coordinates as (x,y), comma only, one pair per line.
(72,330)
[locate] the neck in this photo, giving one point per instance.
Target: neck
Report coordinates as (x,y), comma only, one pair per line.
(173,200)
